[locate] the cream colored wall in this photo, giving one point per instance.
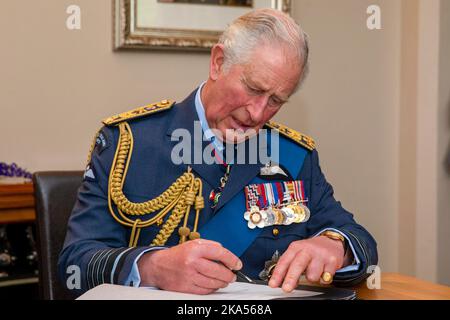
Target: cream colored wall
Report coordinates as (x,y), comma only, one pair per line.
(427,139)
(56,85)
(443,218)
(350,105)
(407,137)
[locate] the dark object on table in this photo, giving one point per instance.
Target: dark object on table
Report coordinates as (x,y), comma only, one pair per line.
(6,259)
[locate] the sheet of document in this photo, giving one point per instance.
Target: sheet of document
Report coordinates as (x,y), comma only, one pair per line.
(235,291)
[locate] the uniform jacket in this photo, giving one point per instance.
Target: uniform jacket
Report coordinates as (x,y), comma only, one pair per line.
(99,245)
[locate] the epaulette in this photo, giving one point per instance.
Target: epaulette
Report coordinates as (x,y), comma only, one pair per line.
(296,136)
(139,112)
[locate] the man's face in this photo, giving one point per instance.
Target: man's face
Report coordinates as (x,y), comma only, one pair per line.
(247,96)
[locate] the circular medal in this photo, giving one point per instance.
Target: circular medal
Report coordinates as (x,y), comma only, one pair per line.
(299,213)
(255,217)
(307,212)
(270,217)
(289,215)
(279,217)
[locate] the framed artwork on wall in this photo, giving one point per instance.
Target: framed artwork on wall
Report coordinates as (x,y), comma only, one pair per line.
(179,24)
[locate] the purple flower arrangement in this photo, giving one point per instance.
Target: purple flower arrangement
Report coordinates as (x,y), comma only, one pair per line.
(13,170)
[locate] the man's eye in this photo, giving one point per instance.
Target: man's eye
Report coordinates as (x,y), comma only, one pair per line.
(255,91)
(274,102)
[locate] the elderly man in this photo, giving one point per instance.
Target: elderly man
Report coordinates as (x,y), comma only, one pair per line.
(141,218)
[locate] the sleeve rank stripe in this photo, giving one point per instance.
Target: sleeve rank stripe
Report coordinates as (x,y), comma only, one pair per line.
(99,261)
(89,278)
(113,277)
(110,264)
(95,267)
(120,262)
(104,264)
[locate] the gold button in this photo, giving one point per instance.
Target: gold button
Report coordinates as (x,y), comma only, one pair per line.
(275,232)
(165,102)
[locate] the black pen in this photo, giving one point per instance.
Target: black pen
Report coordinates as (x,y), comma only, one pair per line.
(238,274)
(241,275)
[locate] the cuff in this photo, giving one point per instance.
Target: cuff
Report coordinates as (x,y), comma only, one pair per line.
(134,278)
(111,265)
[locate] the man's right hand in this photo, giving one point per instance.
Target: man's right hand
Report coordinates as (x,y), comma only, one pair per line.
(191,267)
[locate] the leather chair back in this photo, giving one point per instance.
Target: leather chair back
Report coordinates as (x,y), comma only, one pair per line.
(55,195)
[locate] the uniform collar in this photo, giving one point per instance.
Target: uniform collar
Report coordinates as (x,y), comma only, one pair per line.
(207,132)
(241,174)
(183,117)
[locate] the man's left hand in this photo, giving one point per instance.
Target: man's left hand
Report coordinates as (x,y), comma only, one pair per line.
(313,256)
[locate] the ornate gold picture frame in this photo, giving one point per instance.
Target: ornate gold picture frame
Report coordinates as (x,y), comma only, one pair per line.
(179,24)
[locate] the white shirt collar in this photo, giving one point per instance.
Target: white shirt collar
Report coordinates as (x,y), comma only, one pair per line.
(207,132)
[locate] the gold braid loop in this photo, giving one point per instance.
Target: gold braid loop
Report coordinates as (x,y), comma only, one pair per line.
(170,225)
(184,193)
(199,205)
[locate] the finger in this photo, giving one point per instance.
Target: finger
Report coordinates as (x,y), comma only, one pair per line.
(199,290)
(330,267)
(296,268)
(281,268)
(218,253)
(314,270)
(205,242)
(215,270)
(208,283)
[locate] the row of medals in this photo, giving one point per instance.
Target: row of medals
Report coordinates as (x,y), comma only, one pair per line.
(294,212)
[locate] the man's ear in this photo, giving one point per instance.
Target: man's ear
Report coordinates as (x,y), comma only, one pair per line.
(217,60)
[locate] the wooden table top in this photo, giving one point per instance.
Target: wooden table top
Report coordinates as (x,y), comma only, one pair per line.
(396,286)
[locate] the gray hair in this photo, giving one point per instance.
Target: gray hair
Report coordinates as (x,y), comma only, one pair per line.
(264,26)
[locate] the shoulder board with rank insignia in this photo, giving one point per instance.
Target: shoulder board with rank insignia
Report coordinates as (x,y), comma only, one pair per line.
(139,112)
(296,136)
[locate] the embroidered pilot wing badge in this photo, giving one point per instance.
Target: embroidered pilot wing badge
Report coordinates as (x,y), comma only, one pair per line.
(274,171)
(139,112)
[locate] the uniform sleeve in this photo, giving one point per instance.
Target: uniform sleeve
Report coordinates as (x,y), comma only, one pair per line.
(327,213)
(95,243)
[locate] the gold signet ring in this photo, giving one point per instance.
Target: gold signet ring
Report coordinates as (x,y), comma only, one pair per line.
(327,278)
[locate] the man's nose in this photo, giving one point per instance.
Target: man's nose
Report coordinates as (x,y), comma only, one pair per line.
(256,109)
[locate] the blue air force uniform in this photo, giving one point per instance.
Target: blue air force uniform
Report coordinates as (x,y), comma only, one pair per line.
(106,250)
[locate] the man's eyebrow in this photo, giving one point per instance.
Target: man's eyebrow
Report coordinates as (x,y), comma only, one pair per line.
(261,87)
(254,83)
(283,101)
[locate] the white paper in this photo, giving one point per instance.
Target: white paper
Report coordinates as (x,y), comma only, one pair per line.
(235,291)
